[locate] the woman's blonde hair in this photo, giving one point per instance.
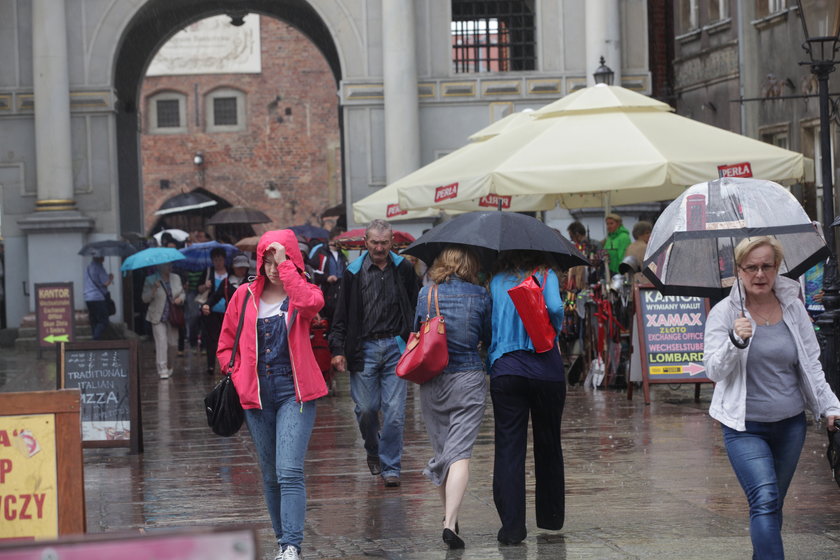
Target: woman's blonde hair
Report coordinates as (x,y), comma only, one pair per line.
(749,243)
(460,261)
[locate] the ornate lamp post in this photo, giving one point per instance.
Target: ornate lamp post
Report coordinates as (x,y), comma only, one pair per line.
(821,24)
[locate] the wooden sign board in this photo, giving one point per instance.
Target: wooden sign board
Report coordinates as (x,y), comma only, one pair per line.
(671,331)
(54,314)
(41,470)
(175,544)
(105,372)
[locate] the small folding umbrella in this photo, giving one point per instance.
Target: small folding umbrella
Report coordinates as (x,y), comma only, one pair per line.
(308,232)
(151,257)
(197,255)
(177,234)
(108,248)
(238,215)
(248,243)
(355,239)
(492,232)
(691,248)
(184,202)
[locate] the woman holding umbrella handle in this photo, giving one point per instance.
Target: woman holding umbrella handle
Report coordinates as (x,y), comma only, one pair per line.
(762,391)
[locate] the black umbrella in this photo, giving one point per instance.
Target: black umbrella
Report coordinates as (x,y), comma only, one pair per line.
(238,215)
(108,248)
(691,248)
(185,202)
(492,232)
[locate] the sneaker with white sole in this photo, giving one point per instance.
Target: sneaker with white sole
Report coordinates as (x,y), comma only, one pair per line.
(291,553)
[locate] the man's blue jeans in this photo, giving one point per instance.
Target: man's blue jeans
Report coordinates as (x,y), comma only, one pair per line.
(764,458)
(376,388)
(281,432)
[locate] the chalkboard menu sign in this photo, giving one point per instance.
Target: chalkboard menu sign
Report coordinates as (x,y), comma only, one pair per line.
(105,372)
(671,333)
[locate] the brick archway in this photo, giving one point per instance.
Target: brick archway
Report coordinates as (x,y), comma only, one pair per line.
(152,26)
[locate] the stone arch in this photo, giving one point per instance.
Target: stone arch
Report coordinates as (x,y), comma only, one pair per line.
(150,27)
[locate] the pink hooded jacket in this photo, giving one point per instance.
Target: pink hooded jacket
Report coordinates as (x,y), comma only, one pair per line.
(305,300)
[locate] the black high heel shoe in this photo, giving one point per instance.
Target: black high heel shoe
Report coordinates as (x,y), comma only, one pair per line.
(452,540)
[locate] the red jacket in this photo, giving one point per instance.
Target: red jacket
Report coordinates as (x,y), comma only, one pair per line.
(305,300)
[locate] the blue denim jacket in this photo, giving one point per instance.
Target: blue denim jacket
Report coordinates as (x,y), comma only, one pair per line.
(508,331)
(466,309)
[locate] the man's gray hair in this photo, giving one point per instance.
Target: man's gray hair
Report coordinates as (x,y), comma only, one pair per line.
(379,225)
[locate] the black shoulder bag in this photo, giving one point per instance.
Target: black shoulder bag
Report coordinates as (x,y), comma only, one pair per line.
(224,411)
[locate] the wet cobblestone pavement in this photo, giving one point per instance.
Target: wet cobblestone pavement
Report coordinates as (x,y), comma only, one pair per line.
(642,481)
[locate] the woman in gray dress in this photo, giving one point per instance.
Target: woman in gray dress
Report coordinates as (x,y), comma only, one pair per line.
(453,402)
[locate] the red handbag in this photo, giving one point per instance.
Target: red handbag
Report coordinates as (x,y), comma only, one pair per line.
(426,353)
(528,299)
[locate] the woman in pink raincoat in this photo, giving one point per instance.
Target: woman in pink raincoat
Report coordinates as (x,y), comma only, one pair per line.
(277,377)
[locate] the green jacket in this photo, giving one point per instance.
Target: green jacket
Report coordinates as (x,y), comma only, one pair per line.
(615,244)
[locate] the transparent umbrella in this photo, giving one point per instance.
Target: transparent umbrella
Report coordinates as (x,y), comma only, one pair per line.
(691,248)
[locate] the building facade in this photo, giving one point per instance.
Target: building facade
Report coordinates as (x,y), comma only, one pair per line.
(72,105)
(737,66)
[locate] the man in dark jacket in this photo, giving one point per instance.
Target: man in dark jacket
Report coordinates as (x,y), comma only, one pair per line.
(373,317)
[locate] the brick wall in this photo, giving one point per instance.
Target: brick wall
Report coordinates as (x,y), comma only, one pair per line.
(285,163)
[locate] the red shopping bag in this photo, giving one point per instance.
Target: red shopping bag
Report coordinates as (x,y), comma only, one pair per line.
(528,299)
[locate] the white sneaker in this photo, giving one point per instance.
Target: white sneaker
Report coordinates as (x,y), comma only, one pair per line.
(166,374)
(291,553)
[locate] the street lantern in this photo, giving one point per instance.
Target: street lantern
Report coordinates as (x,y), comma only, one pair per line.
(604,74)
(821,25)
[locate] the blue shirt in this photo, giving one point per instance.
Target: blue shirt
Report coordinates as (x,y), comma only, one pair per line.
(509,333)
(95,278)
(466,309)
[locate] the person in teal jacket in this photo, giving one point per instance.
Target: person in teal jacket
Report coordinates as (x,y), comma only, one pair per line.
(525,385)
(617,241)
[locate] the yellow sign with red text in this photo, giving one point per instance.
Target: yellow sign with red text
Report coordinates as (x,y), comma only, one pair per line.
(28,478)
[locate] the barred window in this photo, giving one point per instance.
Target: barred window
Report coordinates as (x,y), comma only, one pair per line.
(493,36)
(167,113)
(224,111)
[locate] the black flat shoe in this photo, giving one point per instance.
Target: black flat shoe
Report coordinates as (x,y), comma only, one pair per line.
(452,540)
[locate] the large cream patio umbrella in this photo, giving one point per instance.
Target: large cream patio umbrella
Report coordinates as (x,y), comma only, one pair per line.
(384,203)
(600,144)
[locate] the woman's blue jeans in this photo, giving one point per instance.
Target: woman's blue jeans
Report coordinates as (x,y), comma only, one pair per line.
(764,458)
(281,431)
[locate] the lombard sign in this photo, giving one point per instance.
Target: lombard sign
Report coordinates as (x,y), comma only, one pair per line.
(743,169)
(446,192)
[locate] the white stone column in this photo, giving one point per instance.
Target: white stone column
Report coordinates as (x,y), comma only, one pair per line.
(55,228)
(54,164)
(402,112)
(603,37)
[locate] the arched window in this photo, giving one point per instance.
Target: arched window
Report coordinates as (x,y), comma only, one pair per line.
(167,113)
(225,110)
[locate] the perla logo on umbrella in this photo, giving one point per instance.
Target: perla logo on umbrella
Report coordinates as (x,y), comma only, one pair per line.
(446,192)
(743,169)
(492,201)
(394,210)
